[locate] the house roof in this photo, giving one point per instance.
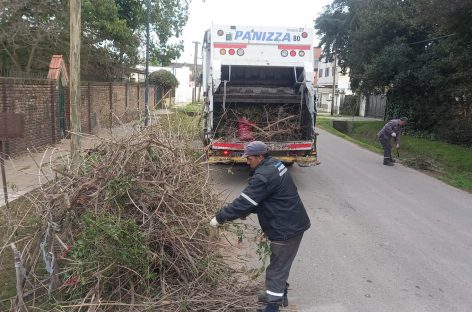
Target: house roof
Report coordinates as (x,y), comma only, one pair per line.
(57,69)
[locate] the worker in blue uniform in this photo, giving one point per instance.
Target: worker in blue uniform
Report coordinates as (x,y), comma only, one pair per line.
(273,196)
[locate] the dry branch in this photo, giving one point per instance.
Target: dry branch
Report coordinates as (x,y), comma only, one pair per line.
(267,123)
(132,231)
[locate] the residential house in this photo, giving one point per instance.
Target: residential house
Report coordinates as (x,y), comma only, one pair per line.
(323,82)
(184,74)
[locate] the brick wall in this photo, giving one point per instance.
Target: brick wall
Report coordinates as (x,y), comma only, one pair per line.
(37,101)
(103,105)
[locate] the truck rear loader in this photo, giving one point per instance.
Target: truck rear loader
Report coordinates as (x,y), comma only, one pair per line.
(257,84)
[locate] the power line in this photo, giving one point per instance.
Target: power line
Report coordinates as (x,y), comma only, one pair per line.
(146,83)
(433,39)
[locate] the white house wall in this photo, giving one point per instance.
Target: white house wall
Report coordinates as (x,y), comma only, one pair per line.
(183,93)
(324,87)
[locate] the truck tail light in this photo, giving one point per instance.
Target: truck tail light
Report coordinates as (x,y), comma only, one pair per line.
(231,51)
(240,52)
(293,53)
(303,146)
(226,153)
(284,53)
(222,51)
(304,34)
(301,53)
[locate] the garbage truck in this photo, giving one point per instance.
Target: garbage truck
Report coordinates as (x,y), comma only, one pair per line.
(258,85)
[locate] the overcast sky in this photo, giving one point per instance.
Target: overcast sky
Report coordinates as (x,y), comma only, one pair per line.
(204,13)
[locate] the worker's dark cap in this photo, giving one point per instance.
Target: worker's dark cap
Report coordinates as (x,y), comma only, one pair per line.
(255,148)
(404,118)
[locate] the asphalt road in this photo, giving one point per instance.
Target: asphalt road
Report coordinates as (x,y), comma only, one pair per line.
(382,238)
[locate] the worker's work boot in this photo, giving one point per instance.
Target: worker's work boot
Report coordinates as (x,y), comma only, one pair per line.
(271,307)
(388,162)
(262,298)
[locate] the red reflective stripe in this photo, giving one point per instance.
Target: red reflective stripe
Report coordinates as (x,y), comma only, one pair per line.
(230,45)
(228,145)
(291,47)
(299,146)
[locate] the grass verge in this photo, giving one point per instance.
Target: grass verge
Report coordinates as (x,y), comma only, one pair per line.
(191,108)
(449,163)
(19,234)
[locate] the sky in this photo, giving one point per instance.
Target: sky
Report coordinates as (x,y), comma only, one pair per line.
(282,13)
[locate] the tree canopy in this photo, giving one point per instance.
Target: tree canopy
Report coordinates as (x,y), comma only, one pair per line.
(418,52)
(113,33)
(164,79)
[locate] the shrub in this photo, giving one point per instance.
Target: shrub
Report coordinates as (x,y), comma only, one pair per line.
(164,79)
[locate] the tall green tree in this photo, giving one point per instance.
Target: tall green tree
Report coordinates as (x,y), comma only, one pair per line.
(113,33)
(419,52)
(29,29)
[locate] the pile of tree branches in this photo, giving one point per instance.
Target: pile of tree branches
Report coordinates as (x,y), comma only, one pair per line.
(262,122)
(129,231)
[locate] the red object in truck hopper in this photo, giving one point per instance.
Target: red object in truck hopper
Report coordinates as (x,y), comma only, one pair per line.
(245,130)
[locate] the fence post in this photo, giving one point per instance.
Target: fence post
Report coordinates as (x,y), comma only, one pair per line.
(155,96)
(138,96)
(89,100)
(6,146)
(4,176)
(111,105)
(126,100)
(53,113)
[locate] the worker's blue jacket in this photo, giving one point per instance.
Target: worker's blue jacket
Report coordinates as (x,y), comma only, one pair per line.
(271,194)
(393,126)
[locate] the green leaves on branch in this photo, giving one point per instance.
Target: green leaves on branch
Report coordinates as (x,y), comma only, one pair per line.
(164,79)
(113,246)
(113,33)
(418,52)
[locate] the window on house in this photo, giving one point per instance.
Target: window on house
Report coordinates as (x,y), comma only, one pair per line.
(327,72)
(320,73)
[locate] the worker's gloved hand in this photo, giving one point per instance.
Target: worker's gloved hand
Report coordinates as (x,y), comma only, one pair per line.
(214,222)
(394,134)
(398,146)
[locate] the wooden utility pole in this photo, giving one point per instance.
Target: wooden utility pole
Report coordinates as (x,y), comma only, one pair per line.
(333,99)
(74,61)
(194,93)
(146,83)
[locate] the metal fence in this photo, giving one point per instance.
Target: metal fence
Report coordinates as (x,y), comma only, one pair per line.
(26,75)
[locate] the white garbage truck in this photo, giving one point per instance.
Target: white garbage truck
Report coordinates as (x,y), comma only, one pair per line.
(258,85)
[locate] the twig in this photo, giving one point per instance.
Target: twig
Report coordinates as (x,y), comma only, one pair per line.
(20,275)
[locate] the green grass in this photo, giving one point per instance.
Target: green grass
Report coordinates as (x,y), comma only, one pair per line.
(325,123)
(191,108)
(449,163)
(10,231)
